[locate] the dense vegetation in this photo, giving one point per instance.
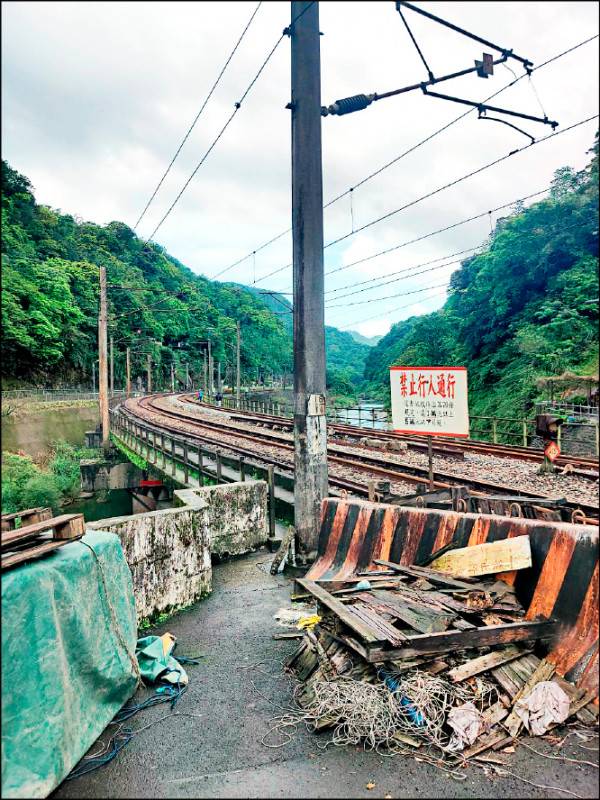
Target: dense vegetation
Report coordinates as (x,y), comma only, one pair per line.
(156,305)
(26,484)
(346,354)
(523,308)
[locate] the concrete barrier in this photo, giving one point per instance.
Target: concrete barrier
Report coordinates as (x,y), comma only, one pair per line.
(169,551)
(562,582)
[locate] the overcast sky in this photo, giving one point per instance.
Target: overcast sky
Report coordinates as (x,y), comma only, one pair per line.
(97,97)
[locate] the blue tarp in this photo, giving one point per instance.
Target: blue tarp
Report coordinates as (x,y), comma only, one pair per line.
(66,670)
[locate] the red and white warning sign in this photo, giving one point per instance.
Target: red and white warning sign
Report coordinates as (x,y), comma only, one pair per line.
(430,400)
(551,450)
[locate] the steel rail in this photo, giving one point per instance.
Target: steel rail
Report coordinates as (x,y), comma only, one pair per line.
(372,465)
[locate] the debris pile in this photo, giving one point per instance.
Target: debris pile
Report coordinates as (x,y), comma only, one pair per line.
(407,657)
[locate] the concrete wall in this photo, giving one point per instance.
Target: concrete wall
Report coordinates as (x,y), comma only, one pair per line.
(98,474)
(169,551)
(238,520)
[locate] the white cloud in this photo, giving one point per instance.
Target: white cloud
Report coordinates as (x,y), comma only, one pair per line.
(97,96)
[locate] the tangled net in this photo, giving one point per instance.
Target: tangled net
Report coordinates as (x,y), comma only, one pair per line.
(414,703)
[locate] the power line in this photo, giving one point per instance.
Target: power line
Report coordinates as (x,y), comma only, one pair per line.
(390,311)
(457,181)
(437,191)
(398,158)
(440,266)
(427,236)
(237,107)
(403,277)
(198,115)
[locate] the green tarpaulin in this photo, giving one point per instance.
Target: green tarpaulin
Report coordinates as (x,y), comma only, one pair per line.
(65,666)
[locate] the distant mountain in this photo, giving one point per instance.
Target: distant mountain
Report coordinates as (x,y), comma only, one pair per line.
(370,341)
(344,353)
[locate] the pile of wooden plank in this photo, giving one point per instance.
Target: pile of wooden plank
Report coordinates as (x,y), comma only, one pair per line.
(35,539)
(407,618)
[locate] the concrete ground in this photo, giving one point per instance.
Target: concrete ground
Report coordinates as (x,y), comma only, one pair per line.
(234,695)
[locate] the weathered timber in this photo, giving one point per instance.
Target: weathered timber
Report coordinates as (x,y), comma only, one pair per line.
(415,615)
(431,575)
(495,737)
(452,640)
(12,559)
(380,628)
(67,526)
(477,665)
(489,558)
(338,608)
(28,516)
(544,672)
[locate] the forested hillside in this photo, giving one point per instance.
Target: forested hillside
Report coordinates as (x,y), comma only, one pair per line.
(346,355)
(157,306)
(523,308)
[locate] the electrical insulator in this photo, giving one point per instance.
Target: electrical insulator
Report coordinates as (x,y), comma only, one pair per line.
(348,104)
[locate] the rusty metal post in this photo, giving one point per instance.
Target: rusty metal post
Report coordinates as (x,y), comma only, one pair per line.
(242,469)
(271,481)
(219,466)
(430,459)
(103,361)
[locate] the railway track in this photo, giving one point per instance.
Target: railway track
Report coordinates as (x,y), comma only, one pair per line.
(582,463)
(370,462)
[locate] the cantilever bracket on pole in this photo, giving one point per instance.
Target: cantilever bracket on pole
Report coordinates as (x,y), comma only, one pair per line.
(510,125)
(509,53)
(483,107)
(360,101)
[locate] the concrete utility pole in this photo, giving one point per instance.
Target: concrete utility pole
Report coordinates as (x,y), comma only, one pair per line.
(103,361)
(149,373)
(94,377)
(218,376)
(310,429)
(128,375)
(210,371)
(237,364)
(172,377)
(205,373)
(112,367)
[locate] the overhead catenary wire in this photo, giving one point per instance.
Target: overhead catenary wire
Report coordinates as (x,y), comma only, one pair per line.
(439,189)
(198,115)
(426,236)
(356,322)
(385,280)
(237,107)
(402,155)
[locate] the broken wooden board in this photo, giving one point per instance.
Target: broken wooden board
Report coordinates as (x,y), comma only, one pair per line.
(481,664)
(453,640)
(490,558)
(414,614)
(432,575)
(13,559)
(66,526)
